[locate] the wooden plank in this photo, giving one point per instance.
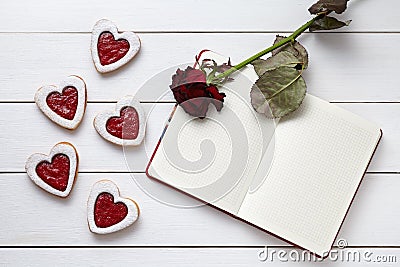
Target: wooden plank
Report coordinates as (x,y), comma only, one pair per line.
(194,257)
(343,67)
(207,15)
(34,217)
(28,131)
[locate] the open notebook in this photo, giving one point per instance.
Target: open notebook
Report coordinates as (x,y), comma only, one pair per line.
(295,178)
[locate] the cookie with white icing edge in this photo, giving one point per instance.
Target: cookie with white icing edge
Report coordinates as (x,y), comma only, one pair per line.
(107,211)
(56,172)
(130,124)
(110,52)
(64,104)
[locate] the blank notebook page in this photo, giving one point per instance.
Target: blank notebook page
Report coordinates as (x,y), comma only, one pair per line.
(225,180)
(321,154)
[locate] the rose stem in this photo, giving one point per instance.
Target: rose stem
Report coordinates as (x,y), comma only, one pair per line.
(282,42)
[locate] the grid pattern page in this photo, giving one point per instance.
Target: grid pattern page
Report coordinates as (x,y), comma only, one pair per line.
(223,179)
(321,153)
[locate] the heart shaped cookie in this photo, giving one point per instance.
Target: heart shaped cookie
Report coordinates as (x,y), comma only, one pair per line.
(107,211)
(56,172)
(65,104)
(110,49)
(123,126)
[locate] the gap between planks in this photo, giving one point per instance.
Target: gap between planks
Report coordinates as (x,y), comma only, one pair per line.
(173,102)
(174,246)
(208,32)
(143,172)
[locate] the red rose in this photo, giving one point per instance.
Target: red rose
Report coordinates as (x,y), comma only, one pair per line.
(193,94)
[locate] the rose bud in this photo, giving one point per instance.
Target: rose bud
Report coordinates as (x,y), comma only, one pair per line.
(192,93)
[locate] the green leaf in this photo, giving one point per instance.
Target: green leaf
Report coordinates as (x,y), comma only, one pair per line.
(283,58)
(328,23)
(278,92)
(339,6)
(294,48)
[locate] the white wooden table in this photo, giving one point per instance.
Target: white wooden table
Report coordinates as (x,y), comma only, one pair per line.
(41,42)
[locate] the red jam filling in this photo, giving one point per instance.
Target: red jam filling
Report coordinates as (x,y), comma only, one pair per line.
(108,213)
(64,104)
(56,173)
(111,50)
(126,126)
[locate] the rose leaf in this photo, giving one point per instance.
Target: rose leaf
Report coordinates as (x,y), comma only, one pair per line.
(278,92)
(294,48)
(328,23)
(339,6)
(283,58)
